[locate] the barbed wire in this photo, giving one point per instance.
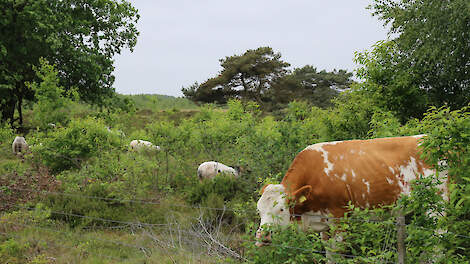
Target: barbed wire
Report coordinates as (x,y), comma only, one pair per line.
(168,227)
(194,207)
(92,217)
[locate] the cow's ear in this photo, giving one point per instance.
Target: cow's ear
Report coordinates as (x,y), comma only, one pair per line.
(301,195)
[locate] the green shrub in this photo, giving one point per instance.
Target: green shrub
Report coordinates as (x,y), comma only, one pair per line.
(52,106)
(226,187)
(367,236)
(447,147)
(289,245)
(350,118)
(12,251)
(68,147)
(384,124)
(6,134)
(117,178)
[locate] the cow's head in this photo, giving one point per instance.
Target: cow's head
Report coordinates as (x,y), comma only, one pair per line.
(274,205)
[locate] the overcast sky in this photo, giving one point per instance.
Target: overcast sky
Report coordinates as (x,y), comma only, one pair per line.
(181,41)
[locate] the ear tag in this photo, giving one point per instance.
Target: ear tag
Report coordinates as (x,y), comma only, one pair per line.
(302,199)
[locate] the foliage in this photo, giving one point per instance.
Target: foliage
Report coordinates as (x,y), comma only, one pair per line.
(261,76)
(11,251)
(384,124)
(364,236)
(389,86)
(79,37)
(446,146)
(51,106)
(289,245)
(350,118)
(225,186)
(307,84)
(119,104)
(156,102)
(117,179)
(6,134)
(246,76)
(67,147)
(426,64)
(108,176)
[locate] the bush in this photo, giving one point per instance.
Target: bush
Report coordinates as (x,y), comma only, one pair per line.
(68,147)
(367,236)
(226,187)
(447,148)
(52,106)
(116,178)
(12,251)
(6,134)
(289,245)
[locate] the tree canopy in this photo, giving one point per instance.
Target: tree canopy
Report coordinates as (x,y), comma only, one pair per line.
(260,75)
(306,83)
(79,37)
(246,76)
(427,63)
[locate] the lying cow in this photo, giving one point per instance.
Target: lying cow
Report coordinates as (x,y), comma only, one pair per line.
(209,169)
(138,144)
(19,146)
(325,177)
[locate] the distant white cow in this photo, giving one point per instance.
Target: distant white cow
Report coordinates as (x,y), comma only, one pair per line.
(19,146)
(117,132)
(138,144)
(209,169)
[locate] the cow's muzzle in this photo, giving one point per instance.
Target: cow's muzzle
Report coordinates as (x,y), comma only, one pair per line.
(263,238)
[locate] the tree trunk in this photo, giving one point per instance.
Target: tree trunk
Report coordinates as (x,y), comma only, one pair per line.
(19,108)
(8,110)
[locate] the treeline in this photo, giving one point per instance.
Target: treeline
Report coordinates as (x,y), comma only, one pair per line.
(424,63)
(261,75)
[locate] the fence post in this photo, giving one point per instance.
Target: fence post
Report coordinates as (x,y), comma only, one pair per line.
(167,169)
(401,235)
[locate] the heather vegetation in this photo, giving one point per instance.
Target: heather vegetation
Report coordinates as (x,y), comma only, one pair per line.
(81,195)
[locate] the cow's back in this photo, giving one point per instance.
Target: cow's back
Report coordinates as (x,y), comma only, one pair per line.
(364,172)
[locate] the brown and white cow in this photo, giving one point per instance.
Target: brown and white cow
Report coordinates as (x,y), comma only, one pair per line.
(325,177)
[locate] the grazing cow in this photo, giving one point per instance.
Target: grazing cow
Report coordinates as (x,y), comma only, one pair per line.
(209,169)
(19,146)
(325,177)
(138,144)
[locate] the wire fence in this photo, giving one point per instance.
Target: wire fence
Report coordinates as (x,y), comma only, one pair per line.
(137,225)
(147,250)
(203,234)
(189,206)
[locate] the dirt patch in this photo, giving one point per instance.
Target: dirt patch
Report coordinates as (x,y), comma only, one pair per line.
(17,189)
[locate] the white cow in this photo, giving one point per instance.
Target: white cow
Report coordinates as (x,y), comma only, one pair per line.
(209,169)
(19,146)
(138,144)
(117,132)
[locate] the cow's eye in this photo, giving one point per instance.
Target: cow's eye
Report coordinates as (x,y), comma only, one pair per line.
(282,210)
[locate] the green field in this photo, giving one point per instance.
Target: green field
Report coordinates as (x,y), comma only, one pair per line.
(81,196)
